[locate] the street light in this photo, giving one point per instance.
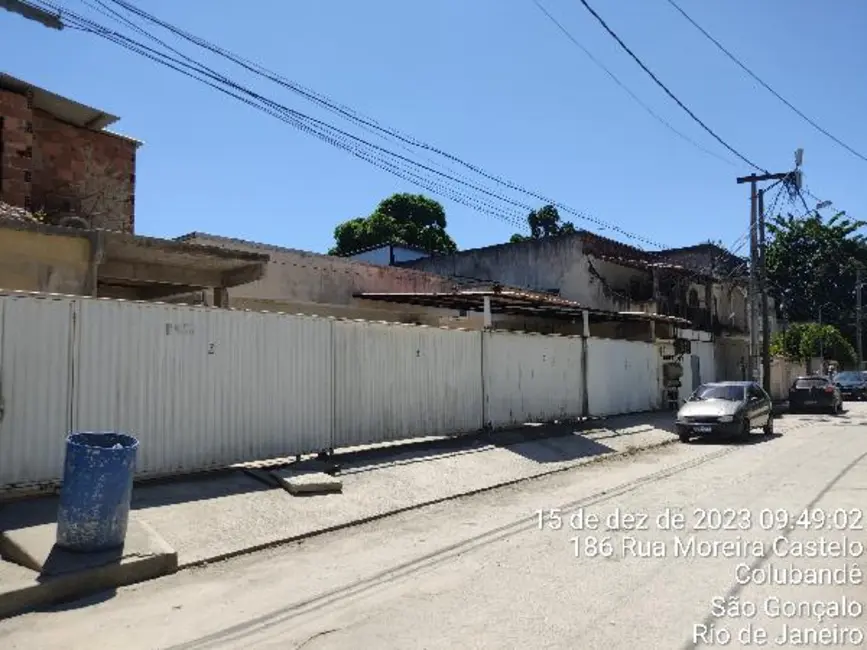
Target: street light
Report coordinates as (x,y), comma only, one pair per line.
(31,12)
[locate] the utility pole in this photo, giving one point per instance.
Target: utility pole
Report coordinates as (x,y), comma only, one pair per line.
(753,301)
(766,317)
(753,290)
(859,317)
(32,12)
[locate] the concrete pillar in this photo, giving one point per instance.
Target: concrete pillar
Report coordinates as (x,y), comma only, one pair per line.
(488,320)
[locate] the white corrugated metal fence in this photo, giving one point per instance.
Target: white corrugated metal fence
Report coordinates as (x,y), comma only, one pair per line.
(531,378)
(205,388)
(623,376)
(395,381)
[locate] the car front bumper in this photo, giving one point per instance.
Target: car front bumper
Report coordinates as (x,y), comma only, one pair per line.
(853,393)
(703,429)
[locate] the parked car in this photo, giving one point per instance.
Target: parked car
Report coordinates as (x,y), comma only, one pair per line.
(852,384)
(725,409)
(815,393)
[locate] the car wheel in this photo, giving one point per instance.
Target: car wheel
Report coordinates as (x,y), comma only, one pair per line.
(768,429)
(683,438)
(745,431)
(838,409)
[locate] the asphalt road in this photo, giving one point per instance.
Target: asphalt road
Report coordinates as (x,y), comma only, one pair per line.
(709,548)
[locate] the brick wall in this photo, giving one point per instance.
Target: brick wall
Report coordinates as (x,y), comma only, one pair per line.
(16,149)
(65,170)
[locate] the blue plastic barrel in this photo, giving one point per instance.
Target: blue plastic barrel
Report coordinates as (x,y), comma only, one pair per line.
(97,490)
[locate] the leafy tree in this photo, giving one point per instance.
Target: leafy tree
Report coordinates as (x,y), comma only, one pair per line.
(410,219)
(811,266)
(802,341)
(545,222)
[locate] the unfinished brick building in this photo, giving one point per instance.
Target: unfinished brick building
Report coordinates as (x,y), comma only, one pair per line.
(57,160)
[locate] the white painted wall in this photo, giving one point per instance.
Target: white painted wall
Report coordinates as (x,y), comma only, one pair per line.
(531,378)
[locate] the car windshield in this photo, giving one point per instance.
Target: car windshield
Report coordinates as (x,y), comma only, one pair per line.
(812,382)
(850,376)
(729,393)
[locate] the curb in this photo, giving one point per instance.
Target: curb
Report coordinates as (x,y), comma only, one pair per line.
(423,504)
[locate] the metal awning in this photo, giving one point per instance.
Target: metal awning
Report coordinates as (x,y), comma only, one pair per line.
(513,302)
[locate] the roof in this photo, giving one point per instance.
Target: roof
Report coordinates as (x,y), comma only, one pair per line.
(518,303)
(64,109)
(135,261)
(729,383)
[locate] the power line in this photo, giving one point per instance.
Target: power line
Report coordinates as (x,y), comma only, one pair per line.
(356,117)
(353,144)
(616,80)
(378,156)
(665,88)
(752,74)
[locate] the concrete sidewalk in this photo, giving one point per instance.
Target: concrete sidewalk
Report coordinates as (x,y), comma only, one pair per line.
(215,516)
(220,517)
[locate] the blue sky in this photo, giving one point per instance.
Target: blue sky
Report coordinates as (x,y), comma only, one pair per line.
(491,81)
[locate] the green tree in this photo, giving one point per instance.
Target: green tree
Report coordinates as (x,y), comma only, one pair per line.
(811,265)
(545,222)
(802,341)
(410,219)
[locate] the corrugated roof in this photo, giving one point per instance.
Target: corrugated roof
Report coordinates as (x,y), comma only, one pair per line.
(513,302)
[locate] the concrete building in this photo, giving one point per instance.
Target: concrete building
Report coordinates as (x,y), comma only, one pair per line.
(298,281)
(57,158)
(704,284)
(101,263)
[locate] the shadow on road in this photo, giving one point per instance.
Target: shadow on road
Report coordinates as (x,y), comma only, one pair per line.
(754,439)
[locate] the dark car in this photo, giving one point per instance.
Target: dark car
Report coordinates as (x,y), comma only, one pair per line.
(815,393)
(852,384)
(729,408)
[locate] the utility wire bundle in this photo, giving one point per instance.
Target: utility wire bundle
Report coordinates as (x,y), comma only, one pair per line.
(484,192)
(479,190)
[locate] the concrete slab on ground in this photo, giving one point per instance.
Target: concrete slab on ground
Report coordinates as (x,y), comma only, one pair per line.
(213,517)
(304,482)
(42,574)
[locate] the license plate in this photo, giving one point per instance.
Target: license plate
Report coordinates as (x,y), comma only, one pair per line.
(810,402)
(702,429)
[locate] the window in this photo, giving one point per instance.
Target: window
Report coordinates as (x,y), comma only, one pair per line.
(755,392)
(728,392)
(811,382)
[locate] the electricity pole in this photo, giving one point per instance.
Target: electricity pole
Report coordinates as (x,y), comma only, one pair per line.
(753,290)
(859,317)
(763,281)
(755,271)
(32,12)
